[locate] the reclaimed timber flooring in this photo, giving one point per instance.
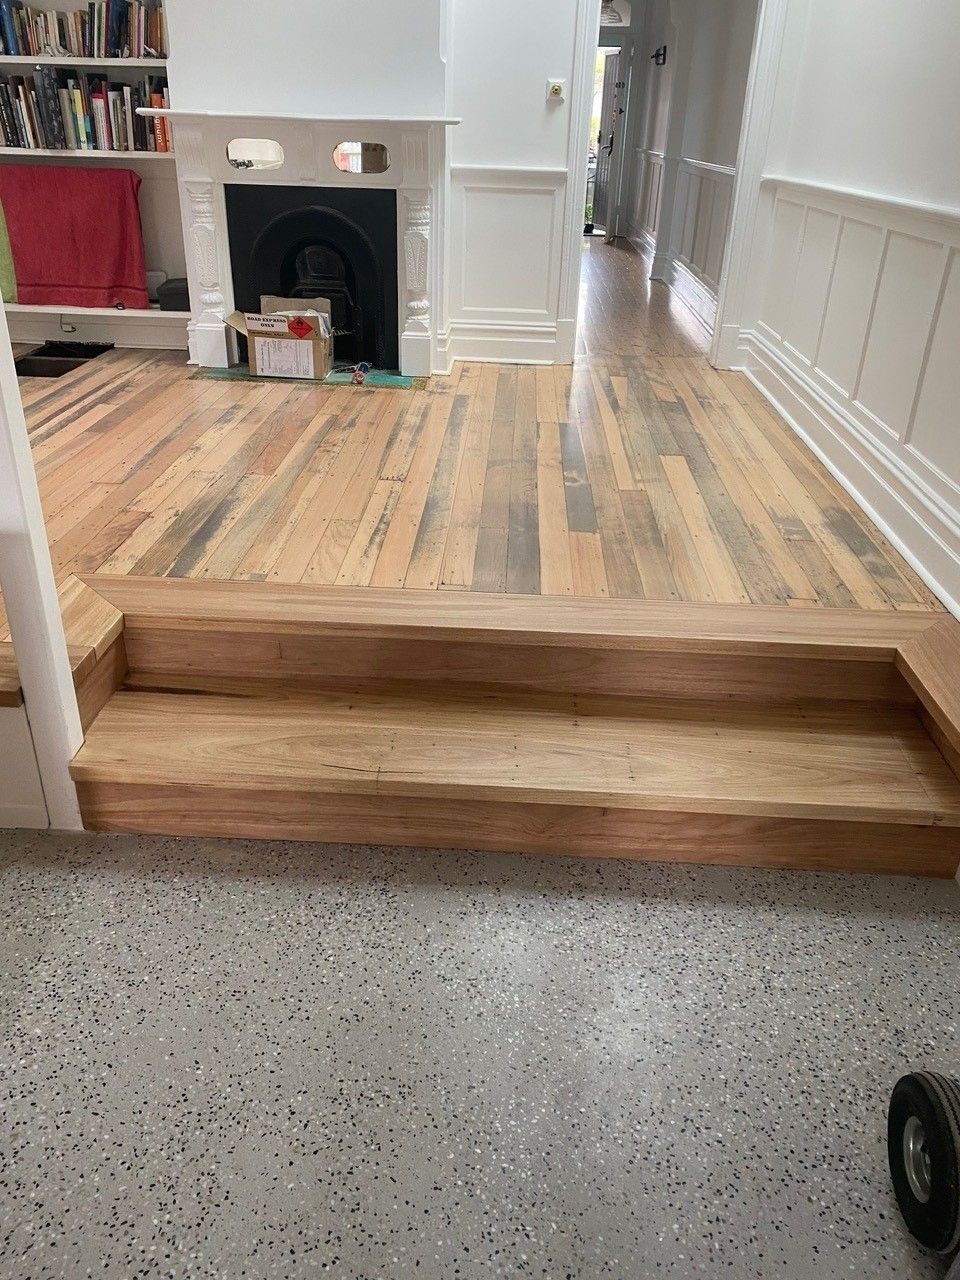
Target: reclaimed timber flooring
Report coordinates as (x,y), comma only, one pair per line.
(639,472)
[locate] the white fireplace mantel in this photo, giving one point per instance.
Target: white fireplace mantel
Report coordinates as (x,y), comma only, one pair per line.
(417,172)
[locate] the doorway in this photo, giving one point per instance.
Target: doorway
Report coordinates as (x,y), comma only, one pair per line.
(605,144)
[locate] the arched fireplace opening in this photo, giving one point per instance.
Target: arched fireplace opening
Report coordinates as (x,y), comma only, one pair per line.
(309,242)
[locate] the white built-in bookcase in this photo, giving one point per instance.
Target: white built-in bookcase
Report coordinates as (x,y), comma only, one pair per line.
(159,213)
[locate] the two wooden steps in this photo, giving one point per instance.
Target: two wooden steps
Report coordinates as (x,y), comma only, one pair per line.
(740,734)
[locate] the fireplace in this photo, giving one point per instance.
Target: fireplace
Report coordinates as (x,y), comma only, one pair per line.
(348,208)
(328,242)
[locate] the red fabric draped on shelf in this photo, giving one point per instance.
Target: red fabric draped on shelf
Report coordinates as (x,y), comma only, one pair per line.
(75,235)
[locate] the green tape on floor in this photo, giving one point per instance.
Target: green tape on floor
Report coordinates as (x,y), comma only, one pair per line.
(336,378)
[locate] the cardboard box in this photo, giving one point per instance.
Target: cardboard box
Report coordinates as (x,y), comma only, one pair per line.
(287,338)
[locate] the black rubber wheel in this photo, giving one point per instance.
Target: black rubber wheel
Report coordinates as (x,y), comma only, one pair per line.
(923,1145)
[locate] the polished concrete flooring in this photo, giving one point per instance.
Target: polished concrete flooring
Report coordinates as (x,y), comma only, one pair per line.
(232,1059)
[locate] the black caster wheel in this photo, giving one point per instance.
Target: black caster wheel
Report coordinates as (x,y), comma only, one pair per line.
(923,1145)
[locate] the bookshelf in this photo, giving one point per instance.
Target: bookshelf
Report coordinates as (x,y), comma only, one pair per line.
(159,210)
(146,64)
(25,153)
(152,329)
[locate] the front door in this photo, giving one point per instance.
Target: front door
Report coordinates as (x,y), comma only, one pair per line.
(611,112)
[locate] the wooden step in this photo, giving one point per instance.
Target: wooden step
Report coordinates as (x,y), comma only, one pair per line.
(203,631)
(849,787)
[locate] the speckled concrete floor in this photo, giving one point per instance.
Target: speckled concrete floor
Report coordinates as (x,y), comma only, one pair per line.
(249,1060)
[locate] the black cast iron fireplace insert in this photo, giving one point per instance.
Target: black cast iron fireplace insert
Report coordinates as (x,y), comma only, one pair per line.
(327,242)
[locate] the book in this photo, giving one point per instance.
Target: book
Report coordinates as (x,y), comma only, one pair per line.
(101,121)
(69,121)
(48,95)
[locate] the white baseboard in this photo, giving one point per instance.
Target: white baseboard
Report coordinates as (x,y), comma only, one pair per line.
(894,497)
(506,343)
(642,241)
(700,299)
(23,815)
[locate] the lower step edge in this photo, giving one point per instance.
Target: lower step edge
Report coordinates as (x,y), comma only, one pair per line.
(519,827)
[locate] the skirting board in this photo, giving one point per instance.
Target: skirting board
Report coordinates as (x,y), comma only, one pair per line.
(695,294)
(23,815)
(642,241)
(691,291)
(505,343)
(888,494)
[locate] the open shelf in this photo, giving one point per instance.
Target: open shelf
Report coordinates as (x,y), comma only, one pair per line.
(69,154)
(112,313)
(25,60)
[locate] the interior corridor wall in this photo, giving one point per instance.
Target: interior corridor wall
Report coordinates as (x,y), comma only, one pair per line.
(852,318)
(509,190)
(324,57)
(709,45)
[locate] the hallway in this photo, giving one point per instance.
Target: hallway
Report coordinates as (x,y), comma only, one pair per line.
(640,472)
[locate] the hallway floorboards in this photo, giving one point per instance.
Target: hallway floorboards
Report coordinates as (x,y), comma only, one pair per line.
(639,472)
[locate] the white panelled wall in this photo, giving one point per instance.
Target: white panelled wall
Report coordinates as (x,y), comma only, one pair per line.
(850,311)
(515,216)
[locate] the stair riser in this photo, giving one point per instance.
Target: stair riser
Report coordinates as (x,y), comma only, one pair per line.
(499,826)
(209,654)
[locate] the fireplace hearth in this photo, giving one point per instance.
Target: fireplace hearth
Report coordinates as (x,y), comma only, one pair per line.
(310,242)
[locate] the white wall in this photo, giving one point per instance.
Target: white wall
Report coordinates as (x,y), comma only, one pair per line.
(852,319)
(510,197)
(877,104)
(21,795)
(722,44)
(307,57)
(656,83)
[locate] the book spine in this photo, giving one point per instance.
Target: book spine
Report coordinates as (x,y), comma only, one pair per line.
(118,127)
(37,119)
(9,31)
(101,134)
(69,124)
(167,125)
(9,119)
(50,97)
(9,122)
(156,100)
(79,117)
(21,123)
(129,118)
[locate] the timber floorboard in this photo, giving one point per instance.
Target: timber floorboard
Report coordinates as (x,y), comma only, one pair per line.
(637,473)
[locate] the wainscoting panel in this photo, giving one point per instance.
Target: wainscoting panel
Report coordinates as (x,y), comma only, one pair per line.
(907,295)
(705,195)
(645,201)
(858,341)
(848,303)
(939,399)
(506,230)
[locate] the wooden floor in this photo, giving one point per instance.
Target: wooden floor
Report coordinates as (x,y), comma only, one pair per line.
(640,472)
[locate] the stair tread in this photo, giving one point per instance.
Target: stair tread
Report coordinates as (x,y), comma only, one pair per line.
(848,762)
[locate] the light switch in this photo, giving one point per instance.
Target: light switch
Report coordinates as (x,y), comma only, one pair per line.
(556,90)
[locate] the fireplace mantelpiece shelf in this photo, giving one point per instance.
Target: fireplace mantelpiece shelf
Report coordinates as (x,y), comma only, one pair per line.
(417,172)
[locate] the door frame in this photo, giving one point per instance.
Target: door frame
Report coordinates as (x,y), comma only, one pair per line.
(749,220)
(769,60)
(586,43)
